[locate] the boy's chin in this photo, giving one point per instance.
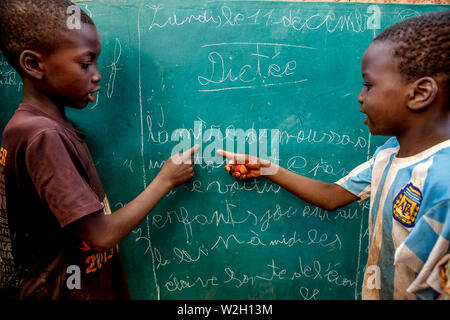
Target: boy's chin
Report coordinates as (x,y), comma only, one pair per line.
(376,132)
(371,128)
(78,104)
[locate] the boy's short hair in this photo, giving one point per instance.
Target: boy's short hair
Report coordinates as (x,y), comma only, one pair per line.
(33,24)
(422,45)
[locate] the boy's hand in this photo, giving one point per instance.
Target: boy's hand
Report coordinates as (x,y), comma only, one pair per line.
(253,167)
(179,168)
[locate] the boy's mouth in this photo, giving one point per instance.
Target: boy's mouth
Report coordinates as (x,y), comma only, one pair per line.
(366,119)
(91,96)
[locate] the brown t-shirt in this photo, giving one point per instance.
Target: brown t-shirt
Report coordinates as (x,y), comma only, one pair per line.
(47,181)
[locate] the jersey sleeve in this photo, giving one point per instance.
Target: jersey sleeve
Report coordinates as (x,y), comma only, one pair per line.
(358,181)
(59,177)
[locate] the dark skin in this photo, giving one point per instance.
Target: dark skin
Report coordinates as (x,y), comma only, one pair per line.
(64,77)
(68,76)
(416,112)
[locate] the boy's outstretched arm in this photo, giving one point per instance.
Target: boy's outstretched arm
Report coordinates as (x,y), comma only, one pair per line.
(102,232)
(329,196)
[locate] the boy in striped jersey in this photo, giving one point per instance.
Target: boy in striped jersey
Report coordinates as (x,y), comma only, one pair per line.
(405,95)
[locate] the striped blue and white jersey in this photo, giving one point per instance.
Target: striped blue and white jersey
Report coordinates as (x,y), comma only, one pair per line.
(409,220)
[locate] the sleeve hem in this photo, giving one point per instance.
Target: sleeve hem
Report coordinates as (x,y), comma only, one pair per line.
(81,213)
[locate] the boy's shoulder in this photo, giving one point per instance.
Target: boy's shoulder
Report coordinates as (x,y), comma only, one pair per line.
(440,152)
(433,170)
(392,142)
(431,165)
(385,150)
(27,123)
(440,164)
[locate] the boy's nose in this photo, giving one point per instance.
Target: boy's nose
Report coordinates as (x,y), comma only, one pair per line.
(360,97)
(97,77)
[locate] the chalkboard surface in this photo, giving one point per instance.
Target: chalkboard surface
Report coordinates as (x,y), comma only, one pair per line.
(212,67)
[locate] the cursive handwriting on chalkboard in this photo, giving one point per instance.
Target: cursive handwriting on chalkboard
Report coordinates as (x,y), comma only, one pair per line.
(227,17)
(316,270)
(261,68)
(8,76)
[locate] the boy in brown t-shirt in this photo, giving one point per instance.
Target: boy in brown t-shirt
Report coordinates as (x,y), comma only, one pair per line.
(54,212)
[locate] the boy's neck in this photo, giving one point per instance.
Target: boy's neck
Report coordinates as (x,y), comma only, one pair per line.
(425,137)
(43,103)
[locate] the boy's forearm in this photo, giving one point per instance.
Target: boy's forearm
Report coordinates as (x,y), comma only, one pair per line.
(132,214)
(102,232)
(325,195)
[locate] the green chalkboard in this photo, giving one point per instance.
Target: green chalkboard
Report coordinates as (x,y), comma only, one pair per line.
(211,67)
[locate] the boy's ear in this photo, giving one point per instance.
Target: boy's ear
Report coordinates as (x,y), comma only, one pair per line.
(31,63)
(422,93)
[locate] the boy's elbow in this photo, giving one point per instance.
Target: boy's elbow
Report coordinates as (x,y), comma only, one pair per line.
(96,233)
(100,244)
(327,204)
(331,205)
(337,198)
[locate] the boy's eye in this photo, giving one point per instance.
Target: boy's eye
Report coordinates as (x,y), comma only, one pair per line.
(85,65)
(367,85)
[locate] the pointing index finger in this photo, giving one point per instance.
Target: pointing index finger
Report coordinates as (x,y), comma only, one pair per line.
(187,156)
(238,158)
(190,152)
(225,154)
